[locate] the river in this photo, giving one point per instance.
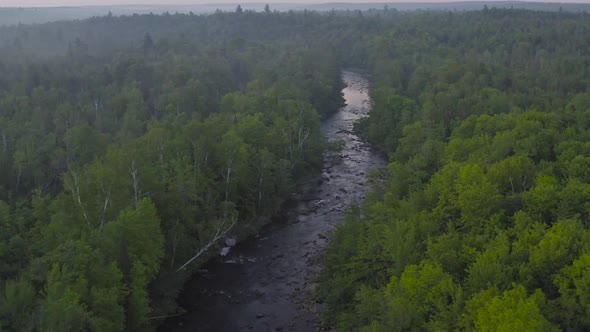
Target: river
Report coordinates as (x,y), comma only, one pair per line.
(266,283)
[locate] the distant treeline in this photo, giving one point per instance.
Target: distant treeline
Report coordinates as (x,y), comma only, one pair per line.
(14,16)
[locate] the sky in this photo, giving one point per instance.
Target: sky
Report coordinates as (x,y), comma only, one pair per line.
(56,3)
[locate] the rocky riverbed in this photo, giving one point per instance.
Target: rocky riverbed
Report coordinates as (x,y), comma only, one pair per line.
(266,283)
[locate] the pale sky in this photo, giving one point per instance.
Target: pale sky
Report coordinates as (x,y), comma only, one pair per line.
(56,3)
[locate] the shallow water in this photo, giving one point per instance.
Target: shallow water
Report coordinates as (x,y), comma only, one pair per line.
(265,283)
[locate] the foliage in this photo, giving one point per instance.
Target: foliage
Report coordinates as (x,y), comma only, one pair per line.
(123,153)
(127,143)
(484,221)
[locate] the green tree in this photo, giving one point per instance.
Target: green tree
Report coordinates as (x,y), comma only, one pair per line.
(514,311)
(17,303)
(541,200)
(423,297)
(574,288)
(62,309)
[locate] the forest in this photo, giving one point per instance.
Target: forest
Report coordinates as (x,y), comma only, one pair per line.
(482,222)
(130,144)
(122,159)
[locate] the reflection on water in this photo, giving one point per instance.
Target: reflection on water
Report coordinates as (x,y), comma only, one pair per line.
(355,97)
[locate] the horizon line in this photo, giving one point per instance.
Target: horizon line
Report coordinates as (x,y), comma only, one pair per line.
(583,2)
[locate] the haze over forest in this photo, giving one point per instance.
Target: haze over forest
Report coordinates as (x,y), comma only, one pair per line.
(26,12)
(390,169)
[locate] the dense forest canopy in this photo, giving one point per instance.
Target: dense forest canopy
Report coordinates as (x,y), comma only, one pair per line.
(482,223)
(125,153)
(129,143)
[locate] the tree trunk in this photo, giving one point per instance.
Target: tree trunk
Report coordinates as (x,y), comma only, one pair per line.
(218,235)
(136,190)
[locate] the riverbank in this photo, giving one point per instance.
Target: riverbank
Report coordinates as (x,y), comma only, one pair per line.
(264,283)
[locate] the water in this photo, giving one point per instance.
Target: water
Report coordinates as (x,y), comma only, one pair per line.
(266,283)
